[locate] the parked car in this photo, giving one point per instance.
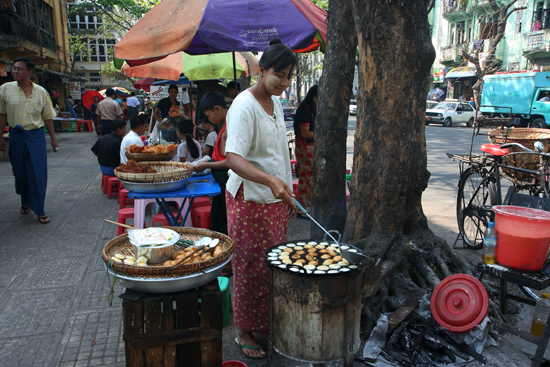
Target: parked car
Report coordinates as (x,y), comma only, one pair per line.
(431,104)
(353,107)
(449,113)
(288,109)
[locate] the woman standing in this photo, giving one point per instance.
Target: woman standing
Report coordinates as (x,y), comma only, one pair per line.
(95,116)
(258,194)
(304,127)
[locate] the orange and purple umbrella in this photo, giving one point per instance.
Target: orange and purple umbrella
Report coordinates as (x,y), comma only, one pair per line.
(201,27)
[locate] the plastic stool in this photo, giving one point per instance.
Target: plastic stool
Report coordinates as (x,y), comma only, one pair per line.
(72,126)
(201,217)
(223,282)
(201,201)
(124,214)
(113,187)
(105,182)
(123,199)
(79,124)
(160,218)
(295,187)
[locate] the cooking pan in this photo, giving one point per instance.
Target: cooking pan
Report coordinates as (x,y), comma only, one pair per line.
(350,253)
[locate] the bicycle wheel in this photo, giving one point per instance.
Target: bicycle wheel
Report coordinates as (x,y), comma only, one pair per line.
(476,195)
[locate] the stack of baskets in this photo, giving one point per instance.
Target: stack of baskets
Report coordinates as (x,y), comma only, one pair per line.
(167,171)
(122,245)
(526,137)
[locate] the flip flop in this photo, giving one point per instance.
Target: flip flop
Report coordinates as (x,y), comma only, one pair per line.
(43,219)
(250,347)
(25,210)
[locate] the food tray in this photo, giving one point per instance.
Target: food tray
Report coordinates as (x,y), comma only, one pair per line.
(526,137)
(168,285)
(145,188)
(147,157)
(121,244)
(167,171)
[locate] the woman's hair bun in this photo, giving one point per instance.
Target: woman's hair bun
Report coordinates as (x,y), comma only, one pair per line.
(275,41)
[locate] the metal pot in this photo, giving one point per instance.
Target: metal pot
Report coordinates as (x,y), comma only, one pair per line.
(315,318)
(156,254)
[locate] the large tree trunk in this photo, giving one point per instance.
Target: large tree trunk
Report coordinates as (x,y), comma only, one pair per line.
(390,164)
(329,169)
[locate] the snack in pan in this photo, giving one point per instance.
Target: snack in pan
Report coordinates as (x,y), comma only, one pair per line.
(314,258)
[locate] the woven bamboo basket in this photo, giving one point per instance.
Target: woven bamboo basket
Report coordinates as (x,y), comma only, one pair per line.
(121,244)
(167,171)
(147,157)
(526,137)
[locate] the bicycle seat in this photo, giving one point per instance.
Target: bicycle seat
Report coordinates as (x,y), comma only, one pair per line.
(494,149)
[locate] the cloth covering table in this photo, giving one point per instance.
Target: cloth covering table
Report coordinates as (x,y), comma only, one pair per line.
(197,186)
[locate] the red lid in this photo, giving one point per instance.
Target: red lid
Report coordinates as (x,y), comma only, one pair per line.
(459,303)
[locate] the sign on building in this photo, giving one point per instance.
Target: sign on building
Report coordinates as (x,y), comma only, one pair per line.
(74,90)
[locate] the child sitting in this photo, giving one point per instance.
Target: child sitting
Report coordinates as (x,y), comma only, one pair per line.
(189,150)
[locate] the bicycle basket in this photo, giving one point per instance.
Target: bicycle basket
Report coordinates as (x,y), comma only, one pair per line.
(526,137)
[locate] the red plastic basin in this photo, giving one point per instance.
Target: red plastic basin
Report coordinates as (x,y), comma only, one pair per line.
(523,237)
(233,364)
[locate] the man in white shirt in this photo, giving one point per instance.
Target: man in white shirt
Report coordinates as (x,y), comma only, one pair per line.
(138,126)
(132,102)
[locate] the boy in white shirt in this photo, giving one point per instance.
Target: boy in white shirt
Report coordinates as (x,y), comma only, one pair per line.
(138,127)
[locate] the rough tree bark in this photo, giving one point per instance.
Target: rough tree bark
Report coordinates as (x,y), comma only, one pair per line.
(390,164)
(335,90)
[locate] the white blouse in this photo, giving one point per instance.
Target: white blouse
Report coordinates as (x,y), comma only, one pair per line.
(261,140)
(130,138)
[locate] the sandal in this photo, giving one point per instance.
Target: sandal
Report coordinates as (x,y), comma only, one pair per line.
(43,219)
(242,346)
(24,210)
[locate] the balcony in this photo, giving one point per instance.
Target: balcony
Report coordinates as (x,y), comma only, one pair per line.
(451,55)
(484,6)
(455,11)
(536,44)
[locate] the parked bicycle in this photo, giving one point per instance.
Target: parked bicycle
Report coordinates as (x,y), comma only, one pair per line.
(479,187)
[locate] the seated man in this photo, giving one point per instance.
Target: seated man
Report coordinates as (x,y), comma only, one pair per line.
(546,98)
(107,148)
(138,127)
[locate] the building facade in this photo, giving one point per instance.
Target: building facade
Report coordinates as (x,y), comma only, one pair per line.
(471,25)
(36,29)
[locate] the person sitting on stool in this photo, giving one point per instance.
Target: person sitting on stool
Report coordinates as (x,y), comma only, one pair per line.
(107,148)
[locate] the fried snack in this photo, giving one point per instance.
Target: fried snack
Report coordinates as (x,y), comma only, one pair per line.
(149,149)
(160,148)
(218,251)
(134,167)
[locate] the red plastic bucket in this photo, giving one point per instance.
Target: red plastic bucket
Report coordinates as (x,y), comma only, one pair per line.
(233,364)
(523,237)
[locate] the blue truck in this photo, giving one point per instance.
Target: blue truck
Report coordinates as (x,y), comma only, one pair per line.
(516,98)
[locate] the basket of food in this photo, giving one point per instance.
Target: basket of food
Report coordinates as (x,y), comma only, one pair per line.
(149,153)
(153,172)
(195,250)
(526,137)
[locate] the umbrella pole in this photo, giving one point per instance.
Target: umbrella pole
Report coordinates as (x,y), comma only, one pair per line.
(234,70)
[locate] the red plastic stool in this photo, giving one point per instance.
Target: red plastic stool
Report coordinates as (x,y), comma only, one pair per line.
(124,214)
(160,218)
(293,163)
(105,183)
(201,217)
(123,199)
(79,124)
(201,201)
(113,187)
(295,187)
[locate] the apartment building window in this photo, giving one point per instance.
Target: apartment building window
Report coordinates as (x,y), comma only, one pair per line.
(460,33)
(95,77)
(519,16)
(488,27)
(97,50)
(87,20)
(541,17)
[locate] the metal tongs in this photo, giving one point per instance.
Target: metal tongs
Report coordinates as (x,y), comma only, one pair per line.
(350,256)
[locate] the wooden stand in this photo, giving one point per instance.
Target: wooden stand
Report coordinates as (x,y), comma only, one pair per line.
(173,329)
(532,280)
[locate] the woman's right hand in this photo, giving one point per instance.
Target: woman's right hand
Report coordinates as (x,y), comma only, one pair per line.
(201,166)
(281,191)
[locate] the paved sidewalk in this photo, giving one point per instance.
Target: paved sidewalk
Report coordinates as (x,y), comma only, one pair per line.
(53,286)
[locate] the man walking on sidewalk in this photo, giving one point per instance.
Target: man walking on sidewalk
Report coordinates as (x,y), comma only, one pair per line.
(26,107)
(108,111)
(132,102)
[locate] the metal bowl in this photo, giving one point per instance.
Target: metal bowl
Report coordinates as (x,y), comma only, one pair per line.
(146,188)
(170,285)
